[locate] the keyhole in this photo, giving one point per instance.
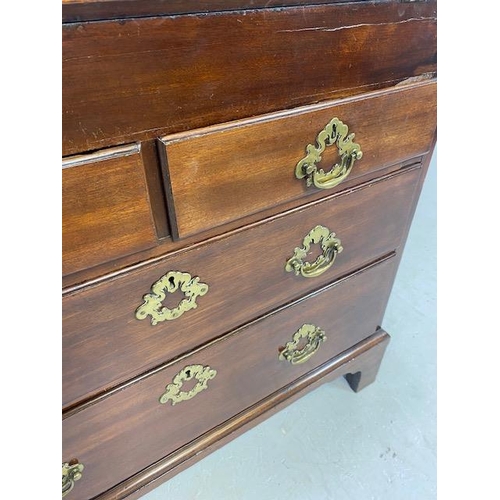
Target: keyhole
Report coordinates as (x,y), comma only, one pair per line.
(190,382)
(303,342)
(172,299)
(314,252)
(329,158)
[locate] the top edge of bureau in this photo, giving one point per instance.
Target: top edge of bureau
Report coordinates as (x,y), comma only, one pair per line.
(75,11)
(135,80)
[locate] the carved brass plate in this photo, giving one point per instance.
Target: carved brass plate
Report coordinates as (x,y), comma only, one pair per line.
(335,132)
(71,472)
(313,337)
(169,283)
(330,245)
(200,373)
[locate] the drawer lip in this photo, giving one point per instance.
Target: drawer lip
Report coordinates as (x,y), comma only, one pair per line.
(102,155)
(101,318)
(74,409)
(215,159)
(134,419)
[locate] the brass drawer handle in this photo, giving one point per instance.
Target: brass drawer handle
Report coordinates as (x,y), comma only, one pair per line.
(200,373)
(169,283)
(335,132)
(296,355)
(330,245)
(71,472)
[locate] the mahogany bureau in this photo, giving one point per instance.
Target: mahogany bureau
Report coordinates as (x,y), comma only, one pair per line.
(239,178)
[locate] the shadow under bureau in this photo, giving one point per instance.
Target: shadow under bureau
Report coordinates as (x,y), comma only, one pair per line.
(239,179)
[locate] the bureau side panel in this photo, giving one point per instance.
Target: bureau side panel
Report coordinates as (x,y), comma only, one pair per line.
(137,79)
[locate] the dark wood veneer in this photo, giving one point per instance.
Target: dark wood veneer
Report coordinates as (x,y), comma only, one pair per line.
(222,173)
(106,212)
(221,97)
(130,430)
(138,79)
(362,360)
(89,10)
(246,277)
(166,245)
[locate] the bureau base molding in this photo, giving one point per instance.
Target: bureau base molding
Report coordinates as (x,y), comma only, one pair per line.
(359,365)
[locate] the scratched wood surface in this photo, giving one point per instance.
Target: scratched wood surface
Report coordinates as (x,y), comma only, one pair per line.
(88,10)
(137,79)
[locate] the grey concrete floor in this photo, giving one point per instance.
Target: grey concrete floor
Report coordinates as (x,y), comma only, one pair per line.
(333,444)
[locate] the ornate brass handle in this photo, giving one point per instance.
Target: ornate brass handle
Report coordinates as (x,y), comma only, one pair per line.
(71,472)
(294,353)
(335,132)
(330,245)
(200,373)
(169,283)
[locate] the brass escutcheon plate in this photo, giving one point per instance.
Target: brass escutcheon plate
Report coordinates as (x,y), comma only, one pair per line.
(71,472)
(313,337)
(331,246)
(169,283)
(335,132)
(173,392)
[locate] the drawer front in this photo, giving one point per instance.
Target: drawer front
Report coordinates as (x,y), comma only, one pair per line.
(246,277)
(141,78)
(106,210)
(251,164)
(131,429)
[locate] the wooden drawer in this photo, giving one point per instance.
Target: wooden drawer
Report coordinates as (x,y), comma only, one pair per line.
(225,172)
(129,430)
(136,79)
(246,277)
(106,212)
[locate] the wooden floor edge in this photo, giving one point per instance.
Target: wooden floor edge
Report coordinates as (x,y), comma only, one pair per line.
(350,361)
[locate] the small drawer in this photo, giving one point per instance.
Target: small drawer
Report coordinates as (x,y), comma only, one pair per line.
(136,426)
(222,173)
(106,211)
(224,283)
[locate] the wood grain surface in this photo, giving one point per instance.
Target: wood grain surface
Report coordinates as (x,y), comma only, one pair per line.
(130,430)
(364,358)
(105,208)
(167,245)
(138,79)
(246,278)
(183,121)
(222,173)
(88,10)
